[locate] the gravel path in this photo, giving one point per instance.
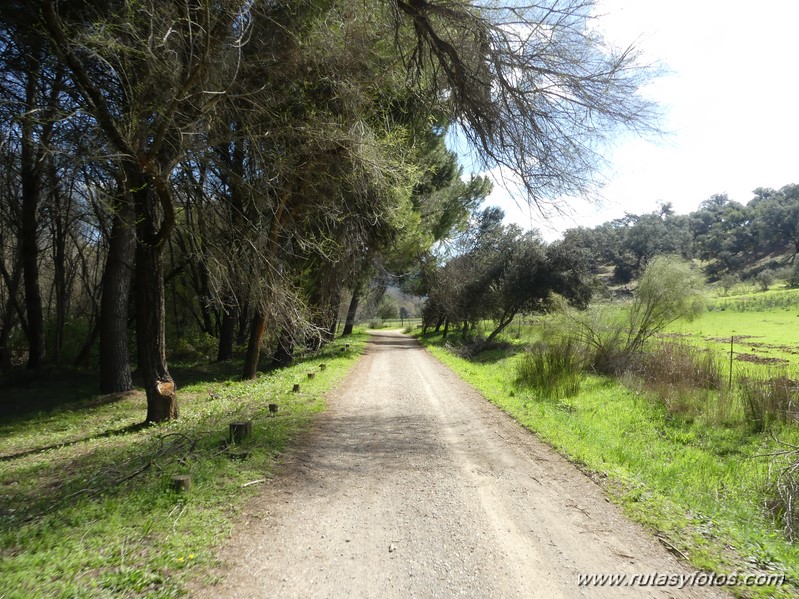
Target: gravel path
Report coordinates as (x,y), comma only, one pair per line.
(412,485)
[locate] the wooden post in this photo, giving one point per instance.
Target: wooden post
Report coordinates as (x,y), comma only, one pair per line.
(273,408)
(181,483)
(296,388)
(310,375)
(322,366)
(240,431)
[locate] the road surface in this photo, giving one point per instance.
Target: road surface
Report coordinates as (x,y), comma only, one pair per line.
(413,485)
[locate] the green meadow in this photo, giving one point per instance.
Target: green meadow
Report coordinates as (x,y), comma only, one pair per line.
(689,463)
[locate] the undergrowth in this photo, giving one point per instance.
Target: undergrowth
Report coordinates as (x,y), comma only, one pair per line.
(87,506)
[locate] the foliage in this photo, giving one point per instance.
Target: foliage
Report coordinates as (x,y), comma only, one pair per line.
(728,281)
(254,175)
(668,290)
(503,272)
(764,279)
(388,308)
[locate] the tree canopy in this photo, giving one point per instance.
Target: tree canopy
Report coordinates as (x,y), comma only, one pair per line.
(234,167)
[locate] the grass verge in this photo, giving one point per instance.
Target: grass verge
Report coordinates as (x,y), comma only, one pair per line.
(86,504)
(699,485)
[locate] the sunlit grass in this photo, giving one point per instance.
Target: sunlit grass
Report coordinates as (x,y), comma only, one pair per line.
(97,516)
(701,479)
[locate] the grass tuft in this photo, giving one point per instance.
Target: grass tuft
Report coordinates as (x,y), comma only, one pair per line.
(554,371)
(767,400)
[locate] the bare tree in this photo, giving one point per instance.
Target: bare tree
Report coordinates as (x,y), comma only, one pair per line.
(536,90)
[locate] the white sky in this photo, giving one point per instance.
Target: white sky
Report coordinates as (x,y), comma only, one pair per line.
(730,101)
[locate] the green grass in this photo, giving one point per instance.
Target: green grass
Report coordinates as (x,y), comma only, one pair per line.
(700,484)
(768,337)
(87,507)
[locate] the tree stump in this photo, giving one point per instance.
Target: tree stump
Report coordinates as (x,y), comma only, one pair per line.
(346,346)
(310,375)
(240,431)
(181,483)
(343,349)
(296,388)
(273,408)
(322,366)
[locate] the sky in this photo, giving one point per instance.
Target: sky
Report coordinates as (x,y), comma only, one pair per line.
(730,98)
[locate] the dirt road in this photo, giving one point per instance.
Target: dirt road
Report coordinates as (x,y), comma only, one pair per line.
(412,485)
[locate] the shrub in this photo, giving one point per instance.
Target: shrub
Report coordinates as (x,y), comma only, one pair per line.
(375,323)
(793,276)
(678,374)
(727,282)
(668,290)
(764,279)
(784,493)
(768,400)
(554,370)
(680,363)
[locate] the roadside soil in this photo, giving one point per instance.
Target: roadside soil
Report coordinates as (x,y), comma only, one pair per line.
(413,485)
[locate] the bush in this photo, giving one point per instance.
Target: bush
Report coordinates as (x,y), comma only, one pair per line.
(375,323)
(678,374)
(668,290)
(784,501)
(554,370)
(793,276)
(727,282)
(768,400)
(764,279)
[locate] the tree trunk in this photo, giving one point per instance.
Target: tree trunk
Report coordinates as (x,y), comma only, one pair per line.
(438,325)
(227,329)
(151,310)
(31,189)
(257,330)
(244,312)
(284,353)
(502,324)
(446,328)
(115,374)
(351,311)
(82,358)
(12,287)
(59,226)
(335,304)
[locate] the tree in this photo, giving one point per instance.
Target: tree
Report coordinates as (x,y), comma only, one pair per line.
(504,272)
(249,161)
(668,290)
(388,308)
(722,232)
(538,93)
(776,217)
(764,279)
